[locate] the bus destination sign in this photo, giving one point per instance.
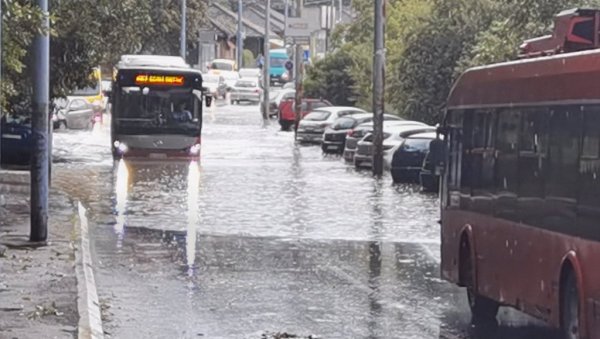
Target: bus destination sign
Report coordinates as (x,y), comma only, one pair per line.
(159,80)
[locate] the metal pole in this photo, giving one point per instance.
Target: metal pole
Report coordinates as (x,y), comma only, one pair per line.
(287,14)
(341,15)
(378,87)
(300,8)
(182,37)
(266,66)
(239,39)
(299,89)
(1,113)
(39,125)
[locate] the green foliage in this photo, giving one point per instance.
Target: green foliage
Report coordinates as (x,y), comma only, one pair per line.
(328,78)
(86,34)
(248,59)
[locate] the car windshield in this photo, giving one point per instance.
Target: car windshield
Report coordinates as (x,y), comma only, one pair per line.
(414,145)
(344,123)
(245,83)
(278,62)
(317,116)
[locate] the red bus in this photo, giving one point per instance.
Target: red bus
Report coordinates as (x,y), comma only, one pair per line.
(520,192)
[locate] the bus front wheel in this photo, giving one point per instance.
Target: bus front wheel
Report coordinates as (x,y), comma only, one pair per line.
(569,307)
(483,309)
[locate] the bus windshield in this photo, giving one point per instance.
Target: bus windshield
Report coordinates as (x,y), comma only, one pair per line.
(158,110)
(278,62)
(223,66)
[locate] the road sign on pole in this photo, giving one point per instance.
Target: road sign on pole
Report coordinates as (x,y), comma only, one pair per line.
(289,65)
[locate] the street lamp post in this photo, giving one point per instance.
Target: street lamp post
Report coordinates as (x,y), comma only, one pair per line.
(40,163)
(266,66)
(378,87)
(239,38)
(182,37)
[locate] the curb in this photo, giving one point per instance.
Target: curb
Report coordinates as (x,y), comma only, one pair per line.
(90,320)
(14,181)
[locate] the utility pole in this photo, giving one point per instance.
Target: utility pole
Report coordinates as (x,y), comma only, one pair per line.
(299,63)
(266,66)
(239,39)
(0,84)
(182,37)
(287,14)
(39,125)
(378,87)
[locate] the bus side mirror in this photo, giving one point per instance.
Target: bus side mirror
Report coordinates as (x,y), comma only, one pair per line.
(208,100)
(437,151)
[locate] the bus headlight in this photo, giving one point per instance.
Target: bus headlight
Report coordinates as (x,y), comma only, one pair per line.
(195,150)
(121,147)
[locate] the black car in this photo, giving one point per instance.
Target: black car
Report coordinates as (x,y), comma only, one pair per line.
(407,161)
(334,138)
(17,140)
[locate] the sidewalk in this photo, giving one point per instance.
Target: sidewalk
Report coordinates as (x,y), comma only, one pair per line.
(38,286)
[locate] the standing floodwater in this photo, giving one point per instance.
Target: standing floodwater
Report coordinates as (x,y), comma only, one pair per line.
(262,236)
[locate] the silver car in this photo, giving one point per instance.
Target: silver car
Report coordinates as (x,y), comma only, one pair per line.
(313,125)
(354,136)
(245,90)
(73,113)
(393,136)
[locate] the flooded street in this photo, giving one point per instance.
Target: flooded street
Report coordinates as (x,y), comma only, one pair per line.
(262,237)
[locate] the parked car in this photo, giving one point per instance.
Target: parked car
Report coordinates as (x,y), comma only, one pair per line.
(429,176)
(290,85)
(392,136)
(359,132)
(17,140)
(334,137)
(407,160)
(313,125)
(215,84)
(230,77)
(276,98)
(249,73)
(287,117)
(73,113)
(245,89)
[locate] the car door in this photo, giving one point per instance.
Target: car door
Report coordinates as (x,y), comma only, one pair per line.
(79,114)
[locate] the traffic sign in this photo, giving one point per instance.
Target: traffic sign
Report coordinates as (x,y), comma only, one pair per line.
(289,65)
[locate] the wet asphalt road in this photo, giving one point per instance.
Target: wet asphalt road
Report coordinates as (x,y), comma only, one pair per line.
(262,237)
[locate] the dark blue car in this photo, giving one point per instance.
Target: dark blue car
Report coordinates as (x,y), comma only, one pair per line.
(17,141)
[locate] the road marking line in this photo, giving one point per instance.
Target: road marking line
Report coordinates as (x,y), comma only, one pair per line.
(90,320)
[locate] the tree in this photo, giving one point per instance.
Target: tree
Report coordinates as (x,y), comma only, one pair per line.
(329,78)
(84,35)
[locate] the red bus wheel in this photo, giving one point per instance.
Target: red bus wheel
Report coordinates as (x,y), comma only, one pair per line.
(483,309)
(569,308)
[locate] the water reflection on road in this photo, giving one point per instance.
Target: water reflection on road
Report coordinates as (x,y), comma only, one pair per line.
(262,236)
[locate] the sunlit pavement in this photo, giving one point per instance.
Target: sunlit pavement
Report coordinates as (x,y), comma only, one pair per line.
(263,236)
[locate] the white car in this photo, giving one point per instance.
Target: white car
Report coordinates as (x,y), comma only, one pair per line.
(392,139)
(249,73)
(313,125)
(230,77)
(245,89)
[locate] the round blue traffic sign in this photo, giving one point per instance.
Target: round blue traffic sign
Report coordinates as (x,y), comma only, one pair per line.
(289,65)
